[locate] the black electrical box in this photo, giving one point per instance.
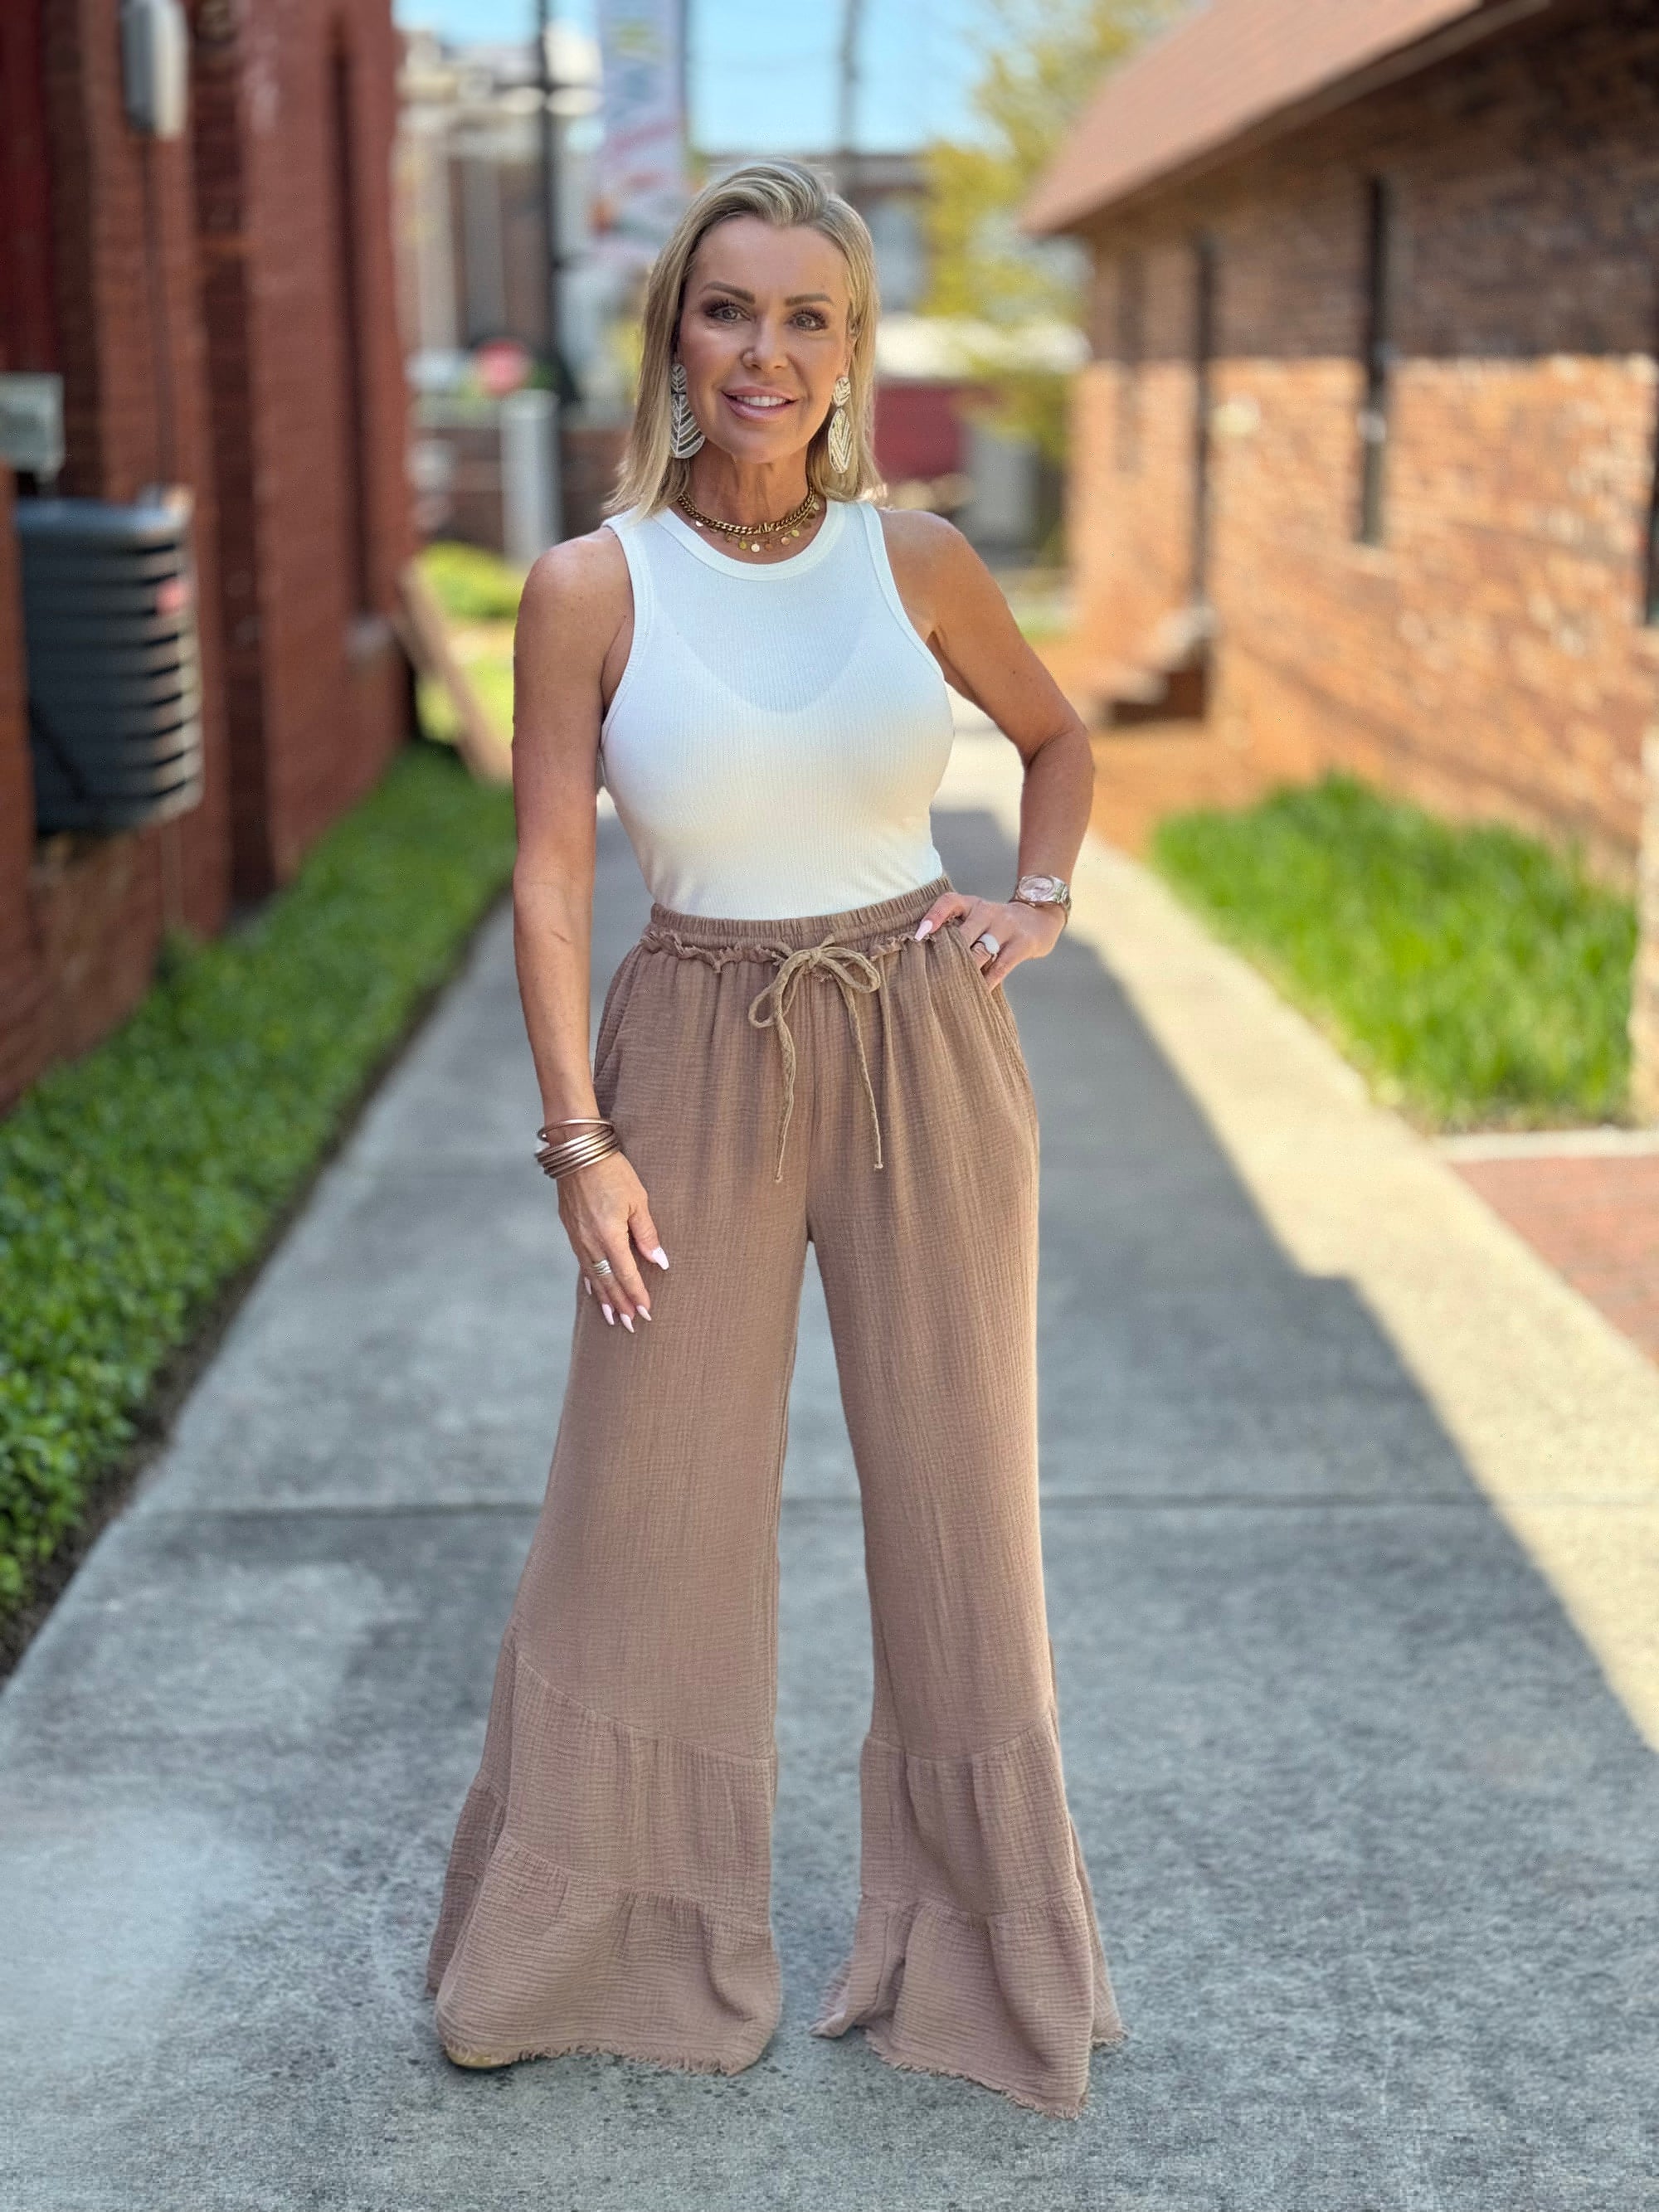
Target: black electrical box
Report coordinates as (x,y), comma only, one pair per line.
(114,668)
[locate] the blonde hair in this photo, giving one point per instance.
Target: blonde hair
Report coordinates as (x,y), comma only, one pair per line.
(786,194)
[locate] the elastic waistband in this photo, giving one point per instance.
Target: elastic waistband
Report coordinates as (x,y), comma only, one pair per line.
(889,920)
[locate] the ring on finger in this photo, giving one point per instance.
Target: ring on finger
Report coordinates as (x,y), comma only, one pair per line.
(989,942)
(600,1268)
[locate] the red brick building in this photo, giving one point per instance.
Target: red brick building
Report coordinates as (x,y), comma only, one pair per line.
(1373,386)
(219,305)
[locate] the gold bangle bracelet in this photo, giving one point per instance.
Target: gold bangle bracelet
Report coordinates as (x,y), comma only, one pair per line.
(556,1160)
(593,1125)
(572,1146)
(572,1167)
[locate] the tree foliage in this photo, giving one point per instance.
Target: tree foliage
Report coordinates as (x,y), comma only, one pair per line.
(1039,61)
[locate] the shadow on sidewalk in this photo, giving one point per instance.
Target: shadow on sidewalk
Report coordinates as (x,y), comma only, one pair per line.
(1371,1840)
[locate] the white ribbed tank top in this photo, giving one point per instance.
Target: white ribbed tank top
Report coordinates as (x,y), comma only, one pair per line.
(778,734)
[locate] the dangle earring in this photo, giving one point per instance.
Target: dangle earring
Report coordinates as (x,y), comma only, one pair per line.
(685,438)
(841,427)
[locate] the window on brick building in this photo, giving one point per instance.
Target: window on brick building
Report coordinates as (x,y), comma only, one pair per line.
(1204,273)
(1378,359)
(1131,347)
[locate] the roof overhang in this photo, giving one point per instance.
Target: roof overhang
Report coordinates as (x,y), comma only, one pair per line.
(1237,76)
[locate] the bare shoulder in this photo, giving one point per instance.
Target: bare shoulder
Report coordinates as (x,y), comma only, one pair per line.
(934,566)
(931,553)
(577,593)
(929,545)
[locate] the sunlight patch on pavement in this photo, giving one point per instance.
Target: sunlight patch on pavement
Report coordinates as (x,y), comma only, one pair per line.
(1556,1415)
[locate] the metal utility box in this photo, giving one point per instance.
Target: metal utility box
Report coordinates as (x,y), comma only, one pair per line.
(114,670)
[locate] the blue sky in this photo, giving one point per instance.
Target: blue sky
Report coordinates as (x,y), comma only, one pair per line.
(764,77)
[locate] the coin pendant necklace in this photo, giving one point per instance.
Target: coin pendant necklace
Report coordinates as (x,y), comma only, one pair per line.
(751,536)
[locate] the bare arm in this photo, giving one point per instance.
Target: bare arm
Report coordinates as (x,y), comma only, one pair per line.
(959,607)
(574,621)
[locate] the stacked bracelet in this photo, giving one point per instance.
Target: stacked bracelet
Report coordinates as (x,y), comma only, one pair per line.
(596,1140)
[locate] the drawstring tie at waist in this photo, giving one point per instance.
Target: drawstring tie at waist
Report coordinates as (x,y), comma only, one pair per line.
(852,972)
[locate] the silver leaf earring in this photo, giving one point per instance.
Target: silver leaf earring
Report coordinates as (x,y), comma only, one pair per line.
(841,427)
(685,438)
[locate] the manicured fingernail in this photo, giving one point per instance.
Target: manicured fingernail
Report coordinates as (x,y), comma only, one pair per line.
(627,1323)
(660,1256)
(925,927)
(609,1315)
(587,1286)
(646,1310)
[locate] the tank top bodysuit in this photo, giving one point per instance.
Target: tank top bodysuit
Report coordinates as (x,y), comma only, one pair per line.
(778,735)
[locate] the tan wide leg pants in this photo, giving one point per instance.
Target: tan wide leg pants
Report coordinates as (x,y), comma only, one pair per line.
(609,1888)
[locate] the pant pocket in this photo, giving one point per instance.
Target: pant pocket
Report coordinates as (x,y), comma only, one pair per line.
(1002,1017)
(996,1015)
(617,994)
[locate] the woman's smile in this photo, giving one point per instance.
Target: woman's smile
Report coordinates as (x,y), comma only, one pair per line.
(754,405)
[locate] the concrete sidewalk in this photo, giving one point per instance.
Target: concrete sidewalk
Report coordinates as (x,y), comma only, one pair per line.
(1372,1836)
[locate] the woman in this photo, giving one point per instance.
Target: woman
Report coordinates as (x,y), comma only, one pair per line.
(809,1040)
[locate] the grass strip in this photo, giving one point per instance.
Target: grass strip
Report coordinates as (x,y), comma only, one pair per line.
(470,585)
(1478,978)
(136,1182)
(479,593)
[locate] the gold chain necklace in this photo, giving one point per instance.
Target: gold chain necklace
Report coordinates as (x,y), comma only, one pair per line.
(785,528)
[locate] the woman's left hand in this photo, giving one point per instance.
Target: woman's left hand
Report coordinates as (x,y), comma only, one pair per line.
(1021,931)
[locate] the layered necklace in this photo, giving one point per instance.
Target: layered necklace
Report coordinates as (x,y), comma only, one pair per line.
(751,536)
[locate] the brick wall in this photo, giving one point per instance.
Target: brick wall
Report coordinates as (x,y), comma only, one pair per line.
(199,291)
(1487,657)
(590,455)
(329,653)
(316,516)
(23,984)
(135,413)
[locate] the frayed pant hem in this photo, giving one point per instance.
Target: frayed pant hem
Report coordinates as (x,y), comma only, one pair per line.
(912,2061)
(671,2062)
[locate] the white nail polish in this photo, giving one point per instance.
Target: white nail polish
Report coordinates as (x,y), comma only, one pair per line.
(925,927)
(660,1256)
(627,1323)
(645,1312)
(609,1315)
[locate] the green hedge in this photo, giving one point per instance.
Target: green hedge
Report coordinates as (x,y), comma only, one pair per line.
(470,585)
(134,1183)
(491,675)
(1477,977)
(480,590)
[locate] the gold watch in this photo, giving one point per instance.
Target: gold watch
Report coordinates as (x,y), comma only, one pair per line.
(1045,890)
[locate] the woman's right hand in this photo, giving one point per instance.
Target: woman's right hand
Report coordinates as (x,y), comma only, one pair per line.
(606,1216)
